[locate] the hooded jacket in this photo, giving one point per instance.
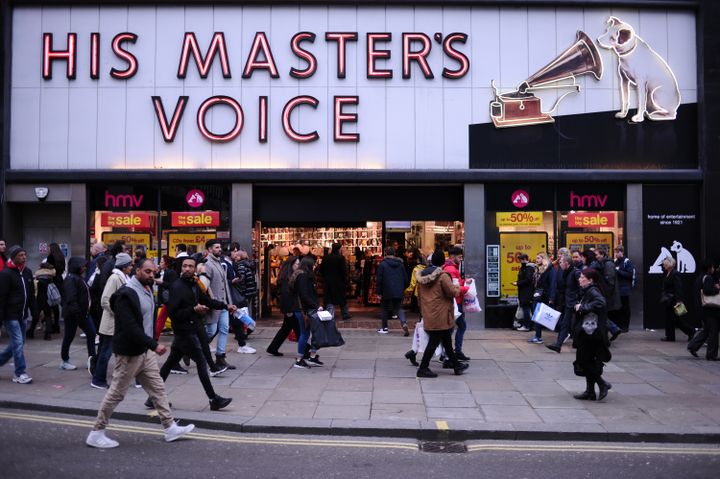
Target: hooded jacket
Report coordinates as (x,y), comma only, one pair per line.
(185,294)
(76,297)
(130,338)
(116,281)
(17,293)
(436,293)
(391,278)
(451,268)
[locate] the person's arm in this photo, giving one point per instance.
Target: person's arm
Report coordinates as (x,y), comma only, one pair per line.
(552,293)
(625,271)
(211,303)
(526,279)
(125,316)
(413,284)
(110,287)
(449,289)
(596,302)
(708,286)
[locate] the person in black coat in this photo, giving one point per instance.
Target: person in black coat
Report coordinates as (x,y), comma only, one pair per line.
(545,290)
(526,286)
(302,285)
(391,281)
(289,306)
(671,295)
(708,287)
(590,337)
(56,259)
(334,271)
(76,307)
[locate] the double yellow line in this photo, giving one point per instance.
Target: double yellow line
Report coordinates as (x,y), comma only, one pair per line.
(606,448)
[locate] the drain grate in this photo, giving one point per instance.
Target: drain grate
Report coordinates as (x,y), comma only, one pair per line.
(448,447)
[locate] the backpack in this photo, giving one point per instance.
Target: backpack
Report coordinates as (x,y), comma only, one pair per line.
(54,298)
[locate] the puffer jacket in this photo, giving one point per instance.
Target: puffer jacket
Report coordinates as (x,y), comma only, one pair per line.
(76,300)
(391,278)
(17,293)
(116,281)
(436,293)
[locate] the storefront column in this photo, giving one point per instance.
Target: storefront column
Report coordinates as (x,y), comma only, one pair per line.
(634,250)
(241,211)
(474,218)
(79,232)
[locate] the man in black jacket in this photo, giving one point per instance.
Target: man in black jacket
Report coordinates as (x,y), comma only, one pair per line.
(136,354)
(76,306)
(17,301)
(187,307)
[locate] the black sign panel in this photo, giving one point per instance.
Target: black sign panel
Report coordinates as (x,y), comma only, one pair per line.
(519,197)
(591,197)
(123,198)
(671,227)
(589,140)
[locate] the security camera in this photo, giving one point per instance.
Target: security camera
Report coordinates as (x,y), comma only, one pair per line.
(42,193)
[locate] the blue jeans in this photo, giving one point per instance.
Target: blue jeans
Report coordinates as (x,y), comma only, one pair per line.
(460,333)
(16,330)
(612,326)
(221,328)
(304,335)
(103,358)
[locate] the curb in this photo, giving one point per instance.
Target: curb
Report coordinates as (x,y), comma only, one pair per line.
(256,426)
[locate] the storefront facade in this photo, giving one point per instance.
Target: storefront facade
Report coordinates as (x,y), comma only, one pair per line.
(427,122)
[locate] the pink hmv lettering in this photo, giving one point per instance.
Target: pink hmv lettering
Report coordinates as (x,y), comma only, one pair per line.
(587,201)
(122,201)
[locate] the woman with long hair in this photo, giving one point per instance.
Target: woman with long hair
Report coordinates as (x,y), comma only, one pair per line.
(708,287)
(545,290)
(56,259)
(302,285)
(590,337)
(289,306)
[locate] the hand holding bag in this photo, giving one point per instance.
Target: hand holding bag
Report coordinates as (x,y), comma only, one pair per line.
(680,309)
(546,316)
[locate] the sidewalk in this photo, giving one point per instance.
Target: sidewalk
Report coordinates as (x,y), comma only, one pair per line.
(512,390)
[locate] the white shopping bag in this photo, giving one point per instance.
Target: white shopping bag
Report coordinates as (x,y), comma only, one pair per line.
(420,340)
(472,291)
(471,304)
(546,316)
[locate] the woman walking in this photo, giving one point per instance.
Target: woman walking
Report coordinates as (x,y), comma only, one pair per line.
(545,290)
(590,338)
(670,297)
(289,306)
(56,259)
(76,308)
(302,284)
(709,288)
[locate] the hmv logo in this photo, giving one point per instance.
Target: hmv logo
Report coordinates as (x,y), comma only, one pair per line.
(122,201)
(587,201)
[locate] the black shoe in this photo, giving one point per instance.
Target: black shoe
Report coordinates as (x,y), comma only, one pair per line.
(553,347)
(667,340)
(426,373)
(301,364)
(274,353)
(604,388)
(217,370)
(461,356)
(447,364)
(349,316)
(186,360)
(220,361)
(614,335)
(219,402)
(461,367)
(315,361)
(694,353)
(412,357)
(177,369)
(586,396)
(406,331)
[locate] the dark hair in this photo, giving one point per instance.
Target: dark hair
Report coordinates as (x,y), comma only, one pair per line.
(187,258)
(57,253)
(138,264)
(603,251)
(212,242)
(620,248)
(101,260)
(389,251)
(523,256)
(437,258)
(117,248)
(286,269)
(181,247)
(169,261)
(591,274)
(307,264)
(336,247)
(455,251)
(140,251)
(706,264)
(589,256)
(234,246)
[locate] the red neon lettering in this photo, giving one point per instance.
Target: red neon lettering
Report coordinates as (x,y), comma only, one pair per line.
(95,55)
(260,45)
(304,55)
(418,56)
(217,47)
(220,100)
(373,55)
(459,57)
(341,38)
(340,117)
(169,131)
(287,111)
(132,68)
(50,55)
(263,120)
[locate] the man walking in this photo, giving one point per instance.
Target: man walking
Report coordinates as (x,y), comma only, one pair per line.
(626,280)
(187,307)
(606,268)
(334,271)
(16,302)
(218,322)
(391,282)
(135,356)
(571,268)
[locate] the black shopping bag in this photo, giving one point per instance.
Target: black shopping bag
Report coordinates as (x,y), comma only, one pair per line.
(325,334)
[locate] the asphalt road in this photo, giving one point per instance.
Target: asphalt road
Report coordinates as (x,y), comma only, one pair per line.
(36,444)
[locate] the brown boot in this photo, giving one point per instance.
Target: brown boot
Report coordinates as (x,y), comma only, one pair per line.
(220,361)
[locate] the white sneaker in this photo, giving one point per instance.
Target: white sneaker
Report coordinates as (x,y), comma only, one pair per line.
(516,324)
(176,432)
(22,379)
(100,440)
(246,350)
(66,366)
(383,331)
(523,329)
(83,335)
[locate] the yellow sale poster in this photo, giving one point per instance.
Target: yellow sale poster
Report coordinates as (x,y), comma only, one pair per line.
(589,239)
(196,239)
(512,245)
(130,239)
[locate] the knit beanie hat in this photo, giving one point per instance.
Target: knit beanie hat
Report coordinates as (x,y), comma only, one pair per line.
(14,251)
(438,258)
(122,260)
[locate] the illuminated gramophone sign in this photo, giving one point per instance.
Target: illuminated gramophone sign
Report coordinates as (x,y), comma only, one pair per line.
(521,107)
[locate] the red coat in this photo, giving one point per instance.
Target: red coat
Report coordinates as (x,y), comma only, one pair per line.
(451,268)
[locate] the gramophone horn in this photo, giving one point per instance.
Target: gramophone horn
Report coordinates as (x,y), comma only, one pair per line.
(581,57)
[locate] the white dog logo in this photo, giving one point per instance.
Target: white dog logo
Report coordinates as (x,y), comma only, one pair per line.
(685,259)
(638,64)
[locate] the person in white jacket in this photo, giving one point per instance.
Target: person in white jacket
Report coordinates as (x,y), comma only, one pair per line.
(120,275)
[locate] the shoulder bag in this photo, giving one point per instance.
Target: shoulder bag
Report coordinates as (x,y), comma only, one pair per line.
(712,301)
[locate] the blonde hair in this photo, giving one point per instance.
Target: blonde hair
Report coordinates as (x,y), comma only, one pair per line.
(669,262)
(545,262)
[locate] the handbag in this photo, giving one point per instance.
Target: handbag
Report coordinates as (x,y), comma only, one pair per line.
(324,333)
(680,309)
(710,301)
(578,369)
(519,314)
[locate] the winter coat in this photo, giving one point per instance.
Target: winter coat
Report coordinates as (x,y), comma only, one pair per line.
(671,289)
(116,281)
(625,274)
(451,268)
(391,278)
(43,278)
(245,270)
(707,287)
(560,285)
(611,282)
(17,293)
(76,297)
(130,338)
(413,289)
(592,350)
(436,293)
(185,294)
(546,287)
(593,301)
(59,268)
(289,302)
(572,287)
(302,286)
(219,286)
(525,284)
(334,271)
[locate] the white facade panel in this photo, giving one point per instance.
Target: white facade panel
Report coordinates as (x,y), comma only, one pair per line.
(414,123)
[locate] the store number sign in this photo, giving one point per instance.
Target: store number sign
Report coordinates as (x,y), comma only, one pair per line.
(512,245)
(519,218)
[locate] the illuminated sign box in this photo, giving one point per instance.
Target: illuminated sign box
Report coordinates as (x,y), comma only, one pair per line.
(519,218)
(583,220)
(125,220)
(195,219)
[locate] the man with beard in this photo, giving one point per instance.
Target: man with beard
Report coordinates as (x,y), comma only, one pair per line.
(187,307)
(136,353)
(218,322)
